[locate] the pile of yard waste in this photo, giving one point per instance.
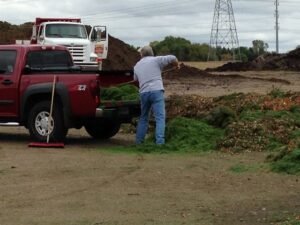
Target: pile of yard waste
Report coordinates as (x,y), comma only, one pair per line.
(269,61)
(185,135)
(234,123)
(126,92)
(251,122)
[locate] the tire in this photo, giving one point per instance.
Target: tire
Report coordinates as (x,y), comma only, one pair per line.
(102,129)
(38,123)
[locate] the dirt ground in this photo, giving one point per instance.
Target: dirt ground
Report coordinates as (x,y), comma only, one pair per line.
(85,184)
(226,83)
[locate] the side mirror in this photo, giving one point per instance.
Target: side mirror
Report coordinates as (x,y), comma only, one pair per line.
(27,69)
(42,38)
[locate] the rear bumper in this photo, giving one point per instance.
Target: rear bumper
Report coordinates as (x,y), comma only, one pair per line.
(122,113)
(99,113)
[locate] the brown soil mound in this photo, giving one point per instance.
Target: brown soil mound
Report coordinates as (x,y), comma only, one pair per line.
(121,56)
(184,71)
(270,61)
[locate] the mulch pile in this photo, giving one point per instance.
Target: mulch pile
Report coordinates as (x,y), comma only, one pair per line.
(269,61)
(121,56)
(244,134)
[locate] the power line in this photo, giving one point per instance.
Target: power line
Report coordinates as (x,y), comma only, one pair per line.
(141,11)
(141,8)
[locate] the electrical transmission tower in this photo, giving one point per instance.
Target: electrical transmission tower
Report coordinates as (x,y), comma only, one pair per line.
(223,31)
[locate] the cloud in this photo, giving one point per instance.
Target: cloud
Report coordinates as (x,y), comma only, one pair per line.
(139,22)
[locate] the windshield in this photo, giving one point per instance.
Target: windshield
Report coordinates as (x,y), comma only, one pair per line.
(66,31)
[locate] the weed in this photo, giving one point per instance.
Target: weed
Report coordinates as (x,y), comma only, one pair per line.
(277,93)
(239,168)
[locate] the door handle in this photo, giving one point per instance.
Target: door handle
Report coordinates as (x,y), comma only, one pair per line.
(7,82)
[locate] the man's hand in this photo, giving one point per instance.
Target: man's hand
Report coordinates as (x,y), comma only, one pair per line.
(175,64)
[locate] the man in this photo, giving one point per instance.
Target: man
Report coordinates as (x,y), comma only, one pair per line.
(148,73)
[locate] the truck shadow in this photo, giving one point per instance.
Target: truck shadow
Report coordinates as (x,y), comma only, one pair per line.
(14,136)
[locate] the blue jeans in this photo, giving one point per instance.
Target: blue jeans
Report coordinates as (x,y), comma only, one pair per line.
(152,100)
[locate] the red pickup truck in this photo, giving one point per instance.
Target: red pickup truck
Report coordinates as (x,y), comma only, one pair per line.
(26,81)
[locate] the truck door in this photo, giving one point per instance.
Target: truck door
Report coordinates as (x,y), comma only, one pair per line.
(8,84)
(99,39)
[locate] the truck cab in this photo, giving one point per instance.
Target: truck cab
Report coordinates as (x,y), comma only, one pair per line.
(87,49)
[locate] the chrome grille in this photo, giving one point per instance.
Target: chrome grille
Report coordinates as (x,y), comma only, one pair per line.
(77,52)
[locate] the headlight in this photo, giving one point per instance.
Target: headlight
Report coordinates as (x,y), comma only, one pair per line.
(93,57)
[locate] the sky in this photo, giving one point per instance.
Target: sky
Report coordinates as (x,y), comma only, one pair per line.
(139,22)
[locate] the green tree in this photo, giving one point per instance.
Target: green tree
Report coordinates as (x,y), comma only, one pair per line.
(259,47)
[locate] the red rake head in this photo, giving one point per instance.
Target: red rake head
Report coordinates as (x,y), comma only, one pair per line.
(46,145)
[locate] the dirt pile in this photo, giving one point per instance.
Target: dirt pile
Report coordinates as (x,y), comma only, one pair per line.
(184,71)
(270,61)
(121,56)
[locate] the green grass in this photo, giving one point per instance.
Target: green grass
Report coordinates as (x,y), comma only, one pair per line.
(291,222)
(221,116)
(231,97)
(277,93)
(252,115)
(239,168)
(288,163)
(123,92)
(274,145)
(182,135)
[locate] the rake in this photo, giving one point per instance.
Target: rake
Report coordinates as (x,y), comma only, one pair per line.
(48,144)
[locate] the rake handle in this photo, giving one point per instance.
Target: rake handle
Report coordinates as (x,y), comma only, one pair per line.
(51,106)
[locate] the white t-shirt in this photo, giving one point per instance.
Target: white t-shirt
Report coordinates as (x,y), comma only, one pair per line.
(147,72)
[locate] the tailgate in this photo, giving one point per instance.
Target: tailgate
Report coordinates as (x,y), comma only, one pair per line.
(122,111)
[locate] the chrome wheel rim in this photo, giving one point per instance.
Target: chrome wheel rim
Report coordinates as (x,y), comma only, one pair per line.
(43,126)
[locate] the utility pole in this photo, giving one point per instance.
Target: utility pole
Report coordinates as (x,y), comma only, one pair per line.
(277,25)
(223,31)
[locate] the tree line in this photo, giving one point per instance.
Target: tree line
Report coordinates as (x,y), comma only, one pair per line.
(10,33)
(187,51)
(184,49)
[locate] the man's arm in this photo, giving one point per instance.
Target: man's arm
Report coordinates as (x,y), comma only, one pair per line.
(175,64)
(168,60)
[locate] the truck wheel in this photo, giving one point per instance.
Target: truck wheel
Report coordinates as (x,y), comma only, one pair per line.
(102,129)
(38,123)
